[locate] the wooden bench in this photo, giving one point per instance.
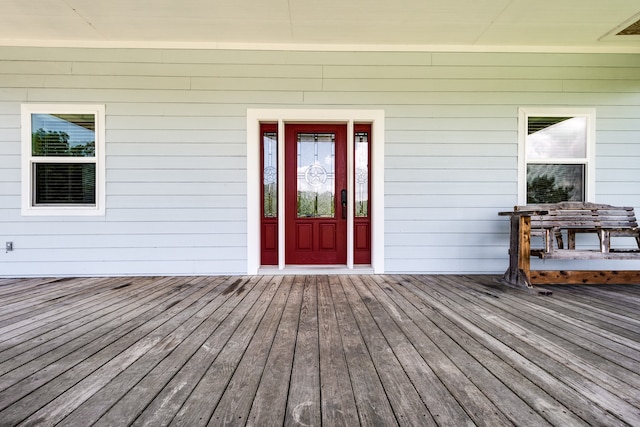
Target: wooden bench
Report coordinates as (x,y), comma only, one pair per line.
(554,223)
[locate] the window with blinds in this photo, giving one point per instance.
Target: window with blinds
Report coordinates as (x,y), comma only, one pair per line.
(557,154)
(63,159)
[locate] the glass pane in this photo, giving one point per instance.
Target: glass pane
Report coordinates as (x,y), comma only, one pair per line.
(362,174)
(270,174)
(556,138)
(555,183)
(63,135)
(65,183)
(316,175)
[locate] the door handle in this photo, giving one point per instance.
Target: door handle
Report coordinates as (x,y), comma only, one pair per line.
(343,199)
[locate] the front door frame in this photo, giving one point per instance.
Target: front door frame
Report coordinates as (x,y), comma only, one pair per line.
(311,116)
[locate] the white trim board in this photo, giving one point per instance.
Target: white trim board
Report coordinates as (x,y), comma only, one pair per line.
(283,116)
(595,48)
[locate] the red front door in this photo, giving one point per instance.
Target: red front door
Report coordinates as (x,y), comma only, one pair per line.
(315,194)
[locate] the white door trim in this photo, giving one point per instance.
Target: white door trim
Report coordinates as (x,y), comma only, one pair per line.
(283,116)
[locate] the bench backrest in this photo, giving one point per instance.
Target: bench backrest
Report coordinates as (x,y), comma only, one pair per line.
(579,215)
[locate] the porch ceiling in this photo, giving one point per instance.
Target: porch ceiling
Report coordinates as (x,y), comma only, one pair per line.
(494,25)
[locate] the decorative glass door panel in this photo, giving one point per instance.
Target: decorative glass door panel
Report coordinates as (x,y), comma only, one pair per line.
(269,220)
(315,183)
(362,174)
(270,174)
(316,175)
(362,189)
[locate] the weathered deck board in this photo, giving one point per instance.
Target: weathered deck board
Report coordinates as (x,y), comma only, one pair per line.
(440,402)
(485,370)
(455,383)
(303,404)
(93,367)
(568,387)
(590,367)
(179,385)
(270,401)
(81,320)
(152,370)
(403,396)
(338,403)
(237,398)
(589,341)
(200,405)
(316,350)
(35,302)
(487,349)
(105,329)
(373,405)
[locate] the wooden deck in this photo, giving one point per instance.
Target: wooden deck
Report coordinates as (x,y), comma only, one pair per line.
(316,350)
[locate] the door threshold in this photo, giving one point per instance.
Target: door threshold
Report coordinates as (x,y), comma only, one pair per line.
(315,269)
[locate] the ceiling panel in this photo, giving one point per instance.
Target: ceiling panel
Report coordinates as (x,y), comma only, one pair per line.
(401,24)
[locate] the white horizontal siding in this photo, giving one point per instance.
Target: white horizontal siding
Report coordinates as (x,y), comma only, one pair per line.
(195,70)
(528,98)
(131,226)
(175,175)
(493,72)
(444,149)
(449,188)
(162,96)
(535,60)
(448,162)
(75,267)
(625,149)
(451,175)
(170,136)
(606,163)
(618,175)
(150,148)
(175,163)
(449,137)
(176,148)
(165,240)
(208,214)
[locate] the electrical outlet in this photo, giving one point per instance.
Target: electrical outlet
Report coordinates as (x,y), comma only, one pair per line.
(9,246)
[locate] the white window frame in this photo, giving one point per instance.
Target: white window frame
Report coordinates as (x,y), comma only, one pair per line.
(28,208)
(589,160)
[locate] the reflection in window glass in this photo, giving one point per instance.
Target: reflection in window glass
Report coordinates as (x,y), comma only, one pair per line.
(316,175)
(553,183)
(270,174)
(362,174)
(556,137)
(63,135)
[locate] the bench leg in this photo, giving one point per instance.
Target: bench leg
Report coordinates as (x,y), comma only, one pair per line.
(571,237)
(605,241)
(517,274)
(559,240)
(519,243)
